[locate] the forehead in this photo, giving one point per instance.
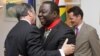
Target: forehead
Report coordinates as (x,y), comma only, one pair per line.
(45,6)
(71,14)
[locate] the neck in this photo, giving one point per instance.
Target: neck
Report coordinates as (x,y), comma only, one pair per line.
(79,23)
(26,19)
(54,23)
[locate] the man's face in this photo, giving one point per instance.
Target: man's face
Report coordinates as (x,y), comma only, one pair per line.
(45,14)
(75,20)
(33,15)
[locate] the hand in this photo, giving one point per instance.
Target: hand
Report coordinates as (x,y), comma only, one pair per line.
(68,48)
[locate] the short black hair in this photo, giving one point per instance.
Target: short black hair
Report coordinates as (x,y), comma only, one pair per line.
(54,6)
(76,10)
(22,10)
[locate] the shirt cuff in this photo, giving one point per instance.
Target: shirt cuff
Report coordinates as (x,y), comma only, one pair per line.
(61,52)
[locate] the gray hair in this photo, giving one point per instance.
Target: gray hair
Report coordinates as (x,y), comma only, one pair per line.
(22,10)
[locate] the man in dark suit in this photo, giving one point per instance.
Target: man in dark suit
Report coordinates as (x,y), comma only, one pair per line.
(55,31)
(87,40)
(24,39)
(20,37)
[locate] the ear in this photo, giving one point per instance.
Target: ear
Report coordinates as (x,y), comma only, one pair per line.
(79,16)
(29,13)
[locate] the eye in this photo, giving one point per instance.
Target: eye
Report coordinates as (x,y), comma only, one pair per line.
(41,11)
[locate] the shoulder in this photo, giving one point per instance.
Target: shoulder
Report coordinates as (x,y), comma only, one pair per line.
(89,27)
(65,28)
(35,29)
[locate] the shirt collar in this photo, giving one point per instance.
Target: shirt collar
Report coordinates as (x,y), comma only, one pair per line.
(79,27)
(26,20)
(53,24)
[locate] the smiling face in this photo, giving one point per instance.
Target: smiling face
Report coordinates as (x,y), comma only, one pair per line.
(75,20)
(46,15)
(75,14)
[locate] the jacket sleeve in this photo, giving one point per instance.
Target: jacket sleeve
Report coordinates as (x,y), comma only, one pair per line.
(71,38)
(94,42)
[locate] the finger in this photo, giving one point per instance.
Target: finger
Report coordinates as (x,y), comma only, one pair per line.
(73,45)
(64,44)
(66,41)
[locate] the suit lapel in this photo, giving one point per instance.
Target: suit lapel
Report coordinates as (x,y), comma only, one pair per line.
(81,31)
(52,33)
(80,36)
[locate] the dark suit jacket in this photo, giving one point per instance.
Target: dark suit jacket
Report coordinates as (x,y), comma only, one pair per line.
(57,36)
(24,40)
(18,38)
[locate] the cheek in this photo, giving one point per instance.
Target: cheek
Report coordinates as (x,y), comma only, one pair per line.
(72,21)
(76,22)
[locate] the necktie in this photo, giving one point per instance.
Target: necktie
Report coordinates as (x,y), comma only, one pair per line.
(76,31)
(47,33)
